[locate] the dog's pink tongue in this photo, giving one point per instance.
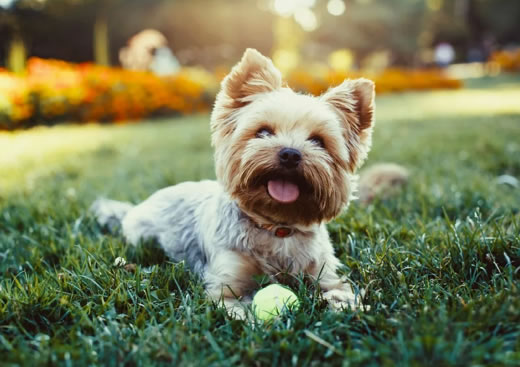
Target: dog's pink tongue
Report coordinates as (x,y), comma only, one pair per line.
(283,191)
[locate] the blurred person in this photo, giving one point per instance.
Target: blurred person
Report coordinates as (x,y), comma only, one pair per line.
(164,62)
(148,51)
(476,54)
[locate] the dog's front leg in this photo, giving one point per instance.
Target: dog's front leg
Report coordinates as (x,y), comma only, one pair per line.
(229,278)
(336,291)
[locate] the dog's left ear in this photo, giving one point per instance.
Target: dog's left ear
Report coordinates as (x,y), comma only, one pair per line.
(253,75)
(353,101)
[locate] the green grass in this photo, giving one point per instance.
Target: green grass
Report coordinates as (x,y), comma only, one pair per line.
(440,262)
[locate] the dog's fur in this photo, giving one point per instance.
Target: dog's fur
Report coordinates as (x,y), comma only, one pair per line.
(225,229)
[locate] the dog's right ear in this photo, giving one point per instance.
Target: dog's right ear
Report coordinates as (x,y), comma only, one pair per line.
(253,75)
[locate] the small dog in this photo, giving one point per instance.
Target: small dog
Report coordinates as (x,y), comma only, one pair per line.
(285,165)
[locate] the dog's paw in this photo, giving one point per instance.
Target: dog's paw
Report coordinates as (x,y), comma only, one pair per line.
(235,310)
(342,299)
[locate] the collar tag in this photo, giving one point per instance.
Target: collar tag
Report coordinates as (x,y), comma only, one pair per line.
(283,232)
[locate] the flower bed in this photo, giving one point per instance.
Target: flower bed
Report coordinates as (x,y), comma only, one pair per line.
(390,80)
(53,91)
(508,60)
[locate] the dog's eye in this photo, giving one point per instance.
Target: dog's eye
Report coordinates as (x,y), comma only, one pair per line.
(317,141)
(264,132)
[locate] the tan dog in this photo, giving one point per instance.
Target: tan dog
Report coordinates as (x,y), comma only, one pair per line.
(285,165)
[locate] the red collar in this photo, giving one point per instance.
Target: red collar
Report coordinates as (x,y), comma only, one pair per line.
(278,231)
(283,232)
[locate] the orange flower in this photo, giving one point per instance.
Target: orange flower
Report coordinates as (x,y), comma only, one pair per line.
(508,60)
(55,90)
(390,80)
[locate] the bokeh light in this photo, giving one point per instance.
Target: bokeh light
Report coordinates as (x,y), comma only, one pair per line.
(306,18)
(94,60)
(336,7)
(5,3)
(290,7)
(342,60)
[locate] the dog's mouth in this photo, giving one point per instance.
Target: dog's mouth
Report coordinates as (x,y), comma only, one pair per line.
(283,191)
(283,187)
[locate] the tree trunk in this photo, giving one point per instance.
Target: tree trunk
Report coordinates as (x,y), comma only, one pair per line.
(16,55)
(101,42)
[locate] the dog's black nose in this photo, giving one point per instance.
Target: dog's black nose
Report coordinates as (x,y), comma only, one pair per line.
(289,158)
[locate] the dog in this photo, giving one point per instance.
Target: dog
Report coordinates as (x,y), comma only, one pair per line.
(285,165)
(381,181)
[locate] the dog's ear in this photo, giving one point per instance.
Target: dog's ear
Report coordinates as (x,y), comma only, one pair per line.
(254,74)
(353,101)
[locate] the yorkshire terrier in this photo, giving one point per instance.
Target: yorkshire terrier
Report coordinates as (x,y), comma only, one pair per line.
(285,165)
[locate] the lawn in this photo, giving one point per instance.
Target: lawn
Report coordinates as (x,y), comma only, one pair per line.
(440,262)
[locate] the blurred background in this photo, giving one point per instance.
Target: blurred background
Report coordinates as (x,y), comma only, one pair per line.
(118,60)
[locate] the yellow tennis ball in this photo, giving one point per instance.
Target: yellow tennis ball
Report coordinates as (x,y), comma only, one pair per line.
(273,300)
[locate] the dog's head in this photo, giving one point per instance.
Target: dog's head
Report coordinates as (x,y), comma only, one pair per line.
(284,156)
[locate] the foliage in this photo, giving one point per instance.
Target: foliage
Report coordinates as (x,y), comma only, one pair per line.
(64,28)
(389,80)
(368,26)
(440,262)
(508,60)
(56,91)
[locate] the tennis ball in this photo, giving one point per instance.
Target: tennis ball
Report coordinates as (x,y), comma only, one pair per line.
(273,300)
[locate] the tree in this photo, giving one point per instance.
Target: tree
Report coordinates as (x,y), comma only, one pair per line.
(27,20)
(16,50)
(99,11)
(368,26)
(101,40)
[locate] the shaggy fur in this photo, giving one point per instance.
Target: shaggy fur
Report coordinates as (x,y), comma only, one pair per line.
(227,231)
